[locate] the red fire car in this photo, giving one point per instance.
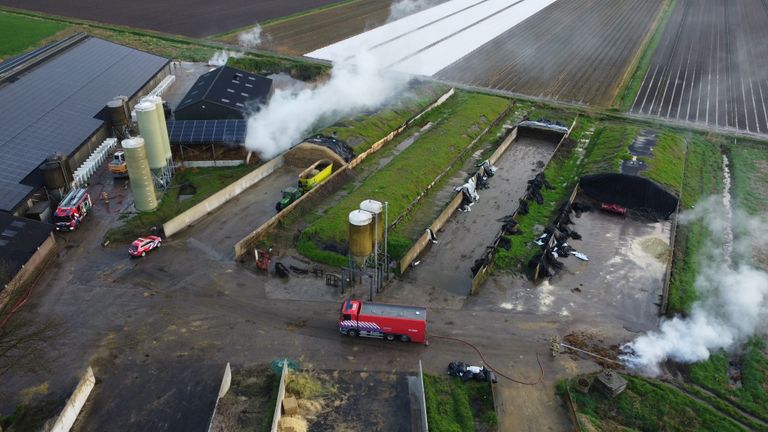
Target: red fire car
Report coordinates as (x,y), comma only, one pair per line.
(142,245)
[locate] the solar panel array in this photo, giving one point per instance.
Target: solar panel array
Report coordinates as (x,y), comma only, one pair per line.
(51,107)
(207,131)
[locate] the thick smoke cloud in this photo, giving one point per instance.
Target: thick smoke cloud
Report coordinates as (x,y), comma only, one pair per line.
(403,8)
(355,84)
(733,293)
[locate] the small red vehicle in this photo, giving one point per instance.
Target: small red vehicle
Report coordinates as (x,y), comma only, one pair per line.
(142,245)
(384,321)
(613,208)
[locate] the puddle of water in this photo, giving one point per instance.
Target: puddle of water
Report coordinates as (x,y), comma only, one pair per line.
(644,143)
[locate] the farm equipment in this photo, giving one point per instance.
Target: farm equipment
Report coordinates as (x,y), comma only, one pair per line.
(315,174)
(263,257)
(117,166)
(290,194)
(383,321)
(72,209)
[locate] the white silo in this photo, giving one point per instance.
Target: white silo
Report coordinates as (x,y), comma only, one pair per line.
(157,101)
(139,174)
(149,128)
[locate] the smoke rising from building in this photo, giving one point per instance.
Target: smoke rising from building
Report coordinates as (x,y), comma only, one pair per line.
(220,57)
(732,293)
(355,84)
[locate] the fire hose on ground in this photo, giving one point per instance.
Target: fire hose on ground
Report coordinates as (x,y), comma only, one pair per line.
(488,365)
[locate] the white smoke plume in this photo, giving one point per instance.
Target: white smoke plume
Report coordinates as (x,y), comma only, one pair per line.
(355,84)
(403,8)
(250,38)
(733,294)
(220,57)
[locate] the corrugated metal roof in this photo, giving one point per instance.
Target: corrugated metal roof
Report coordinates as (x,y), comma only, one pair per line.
(52,107)
(229,87)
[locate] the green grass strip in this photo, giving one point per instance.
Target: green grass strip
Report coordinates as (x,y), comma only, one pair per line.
(21,33)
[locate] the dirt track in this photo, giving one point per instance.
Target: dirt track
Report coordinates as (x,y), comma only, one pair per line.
(710,66)
(575,51)
(196,18)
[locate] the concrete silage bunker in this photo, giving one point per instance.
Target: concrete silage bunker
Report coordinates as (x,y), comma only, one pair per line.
(630,191)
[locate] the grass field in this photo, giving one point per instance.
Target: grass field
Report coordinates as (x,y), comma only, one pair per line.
(207,181)
(647,405)
(454,406)
(20,33)
(703,177)
(456,123)
(750,175)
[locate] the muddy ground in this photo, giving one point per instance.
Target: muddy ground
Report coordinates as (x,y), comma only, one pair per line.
(197,18)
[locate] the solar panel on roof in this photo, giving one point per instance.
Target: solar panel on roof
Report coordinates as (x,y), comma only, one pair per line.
(207,131)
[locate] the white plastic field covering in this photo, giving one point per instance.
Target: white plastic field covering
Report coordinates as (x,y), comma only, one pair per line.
(428,41)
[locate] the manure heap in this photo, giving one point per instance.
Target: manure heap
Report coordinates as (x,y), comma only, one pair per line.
(428,41)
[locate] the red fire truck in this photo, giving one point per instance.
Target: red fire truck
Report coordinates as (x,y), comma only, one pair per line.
(386,321)
(72,209)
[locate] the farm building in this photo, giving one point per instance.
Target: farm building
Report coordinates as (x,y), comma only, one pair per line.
(224,93)
(53,101)
(24,245)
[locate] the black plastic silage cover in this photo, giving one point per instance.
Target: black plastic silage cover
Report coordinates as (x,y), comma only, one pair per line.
(632,192)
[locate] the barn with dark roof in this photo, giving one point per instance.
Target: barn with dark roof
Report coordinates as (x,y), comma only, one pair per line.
(224,93)
(53,100)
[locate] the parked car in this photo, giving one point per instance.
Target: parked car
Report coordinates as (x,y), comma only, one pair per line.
(142,245)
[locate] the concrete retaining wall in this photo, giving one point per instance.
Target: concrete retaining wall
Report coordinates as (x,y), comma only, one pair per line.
(420,244)
(226,381)
(220,198)
(28,270)
(75,403)
(212,163)
(330,185)
(280,397)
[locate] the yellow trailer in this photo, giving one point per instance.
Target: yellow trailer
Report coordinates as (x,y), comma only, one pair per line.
(315,174)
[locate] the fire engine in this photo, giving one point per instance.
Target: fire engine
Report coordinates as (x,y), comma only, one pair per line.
(384,321)
(72,209)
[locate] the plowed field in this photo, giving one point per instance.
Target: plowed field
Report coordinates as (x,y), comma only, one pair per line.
(711,66)
(575,51)
(194,18)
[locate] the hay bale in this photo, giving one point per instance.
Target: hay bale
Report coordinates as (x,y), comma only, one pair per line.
(292,424)
(290,405)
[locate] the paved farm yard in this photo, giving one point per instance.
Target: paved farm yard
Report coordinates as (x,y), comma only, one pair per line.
(196,18)
(574,51)
(710,66)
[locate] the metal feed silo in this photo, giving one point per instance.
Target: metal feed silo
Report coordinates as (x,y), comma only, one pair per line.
(377,227)
(139,174)
(157,101)
(149,128)
(119,114)
(360,245)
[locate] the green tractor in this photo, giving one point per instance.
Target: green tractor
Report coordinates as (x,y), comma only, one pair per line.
(290,194)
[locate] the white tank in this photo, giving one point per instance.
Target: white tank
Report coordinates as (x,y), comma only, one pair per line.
(142,187)
(157,101)
(377,210)
(149,127)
